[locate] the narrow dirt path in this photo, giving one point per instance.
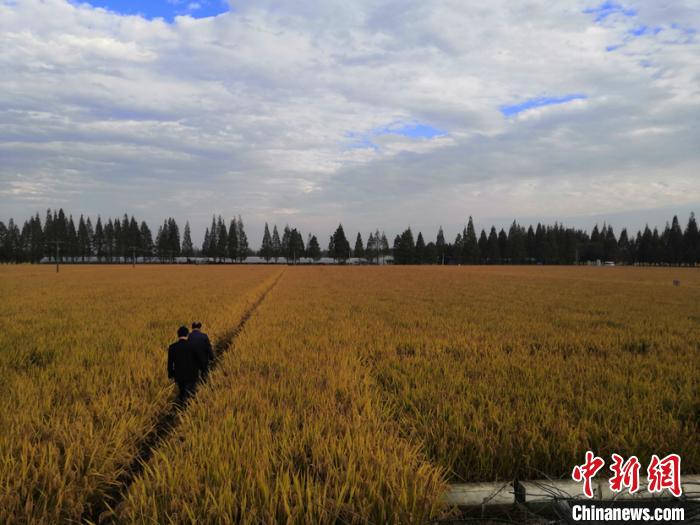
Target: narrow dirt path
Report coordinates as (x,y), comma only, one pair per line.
(100,508)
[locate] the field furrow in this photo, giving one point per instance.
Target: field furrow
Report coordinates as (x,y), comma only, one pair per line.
(83,372)
(291,428)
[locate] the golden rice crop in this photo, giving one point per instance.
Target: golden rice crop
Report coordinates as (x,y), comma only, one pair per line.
(82,372)
(354,394)
(290,429)
(509,372)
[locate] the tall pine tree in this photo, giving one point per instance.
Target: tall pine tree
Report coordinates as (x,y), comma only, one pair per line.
(243,247)
(440,245)
(339,247)
(187,247)
(276,244)
(146,241)
(420,249)
(266,246)
(470,245)
(233,244)
(359,250)
(691,241)
(313,250)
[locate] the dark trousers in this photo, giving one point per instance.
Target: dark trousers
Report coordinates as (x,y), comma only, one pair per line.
(185,391)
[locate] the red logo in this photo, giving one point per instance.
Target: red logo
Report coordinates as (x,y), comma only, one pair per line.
(625,474)
(665,474)
(662,474)
(587,471)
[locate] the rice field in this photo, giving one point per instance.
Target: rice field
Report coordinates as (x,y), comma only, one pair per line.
(352,395)
(82,372)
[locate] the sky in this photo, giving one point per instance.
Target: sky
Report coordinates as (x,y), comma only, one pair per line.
(374,113)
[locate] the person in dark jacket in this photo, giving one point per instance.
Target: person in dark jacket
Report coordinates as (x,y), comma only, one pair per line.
(183,365)
(201,344)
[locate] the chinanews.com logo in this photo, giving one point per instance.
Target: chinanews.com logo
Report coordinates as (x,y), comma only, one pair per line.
(663,474)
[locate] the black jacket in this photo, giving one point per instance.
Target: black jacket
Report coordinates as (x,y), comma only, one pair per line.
(183,362)
(202,346)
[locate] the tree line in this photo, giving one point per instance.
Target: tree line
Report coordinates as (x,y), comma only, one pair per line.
(554,244)
(126,239)
(111,240)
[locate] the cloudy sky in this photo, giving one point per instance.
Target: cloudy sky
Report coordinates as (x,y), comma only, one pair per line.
(376,113)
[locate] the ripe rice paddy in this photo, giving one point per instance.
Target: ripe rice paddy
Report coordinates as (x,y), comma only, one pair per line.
(353,394)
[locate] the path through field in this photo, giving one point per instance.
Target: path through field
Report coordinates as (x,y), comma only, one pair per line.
(102,510)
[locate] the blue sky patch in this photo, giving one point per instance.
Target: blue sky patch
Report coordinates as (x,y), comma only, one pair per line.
(538,102)
(413,131)
(166,9)
(607,9)
(645,30)
(635,32)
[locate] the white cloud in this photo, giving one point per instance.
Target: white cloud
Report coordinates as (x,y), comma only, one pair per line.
(250,112)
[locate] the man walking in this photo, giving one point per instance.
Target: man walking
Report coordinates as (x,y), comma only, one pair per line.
(183,365)
(202,346)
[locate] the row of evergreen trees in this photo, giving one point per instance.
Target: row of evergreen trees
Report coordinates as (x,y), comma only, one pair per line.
(554,245)
(109,240)
(221,243)
(126,239)
(114,240)
(541,244)
(290,246)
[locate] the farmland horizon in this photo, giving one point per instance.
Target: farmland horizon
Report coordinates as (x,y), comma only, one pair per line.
(632,221)
(61,238)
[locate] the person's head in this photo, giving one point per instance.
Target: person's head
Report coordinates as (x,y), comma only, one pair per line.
(196,325)
(182,332)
